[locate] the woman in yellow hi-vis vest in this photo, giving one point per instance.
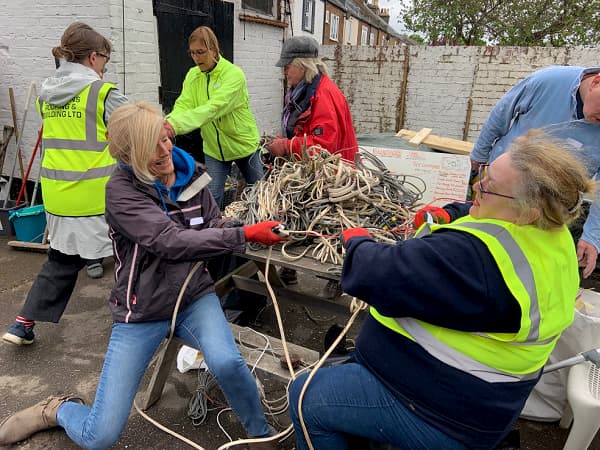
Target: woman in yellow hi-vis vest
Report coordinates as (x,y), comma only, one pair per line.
(75,104)
(462,319)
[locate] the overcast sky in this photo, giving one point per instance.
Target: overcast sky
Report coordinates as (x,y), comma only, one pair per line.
(394,6)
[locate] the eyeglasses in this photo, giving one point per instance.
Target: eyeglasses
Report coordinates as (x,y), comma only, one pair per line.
(104,56)
(193,53)
(482,173)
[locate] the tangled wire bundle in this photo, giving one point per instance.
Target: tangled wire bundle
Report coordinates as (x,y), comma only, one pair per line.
(319,194)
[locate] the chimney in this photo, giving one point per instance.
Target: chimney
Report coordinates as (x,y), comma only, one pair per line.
(384,13)
(373,5)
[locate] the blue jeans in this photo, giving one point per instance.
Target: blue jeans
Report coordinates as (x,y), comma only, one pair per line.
(203,326)
(250,167)
(349,400)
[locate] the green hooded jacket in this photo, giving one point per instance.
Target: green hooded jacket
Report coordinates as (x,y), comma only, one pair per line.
(217,102)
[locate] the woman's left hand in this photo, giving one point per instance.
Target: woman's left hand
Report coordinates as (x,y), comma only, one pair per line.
(278,147)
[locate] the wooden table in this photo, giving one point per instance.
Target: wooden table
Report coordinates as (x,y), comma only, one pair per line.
(243,278)
(257,261)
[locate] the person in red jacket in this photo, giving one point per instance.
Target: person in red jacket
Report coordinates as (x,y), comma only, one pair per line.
(316,112)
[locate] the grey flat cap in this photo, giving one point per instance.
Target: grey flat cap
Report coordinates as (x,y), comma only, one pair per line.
(298,47)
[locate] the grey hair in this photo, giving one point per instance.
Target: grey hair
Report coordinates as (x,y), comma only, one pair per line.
(312,67)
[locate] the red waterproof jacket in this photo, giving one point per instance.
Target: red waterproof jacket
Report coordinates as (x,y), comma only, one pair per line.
(327,122)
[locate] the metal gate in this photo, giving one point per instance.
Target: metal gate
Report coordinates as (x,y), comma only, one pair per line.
(176,19)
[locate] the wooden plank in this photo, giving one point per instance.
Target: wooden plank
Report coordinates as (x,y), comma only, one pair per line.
(420,136)
(34,246)
(248,338)
(339,306)
(164,365)
(444,144)
(7,133)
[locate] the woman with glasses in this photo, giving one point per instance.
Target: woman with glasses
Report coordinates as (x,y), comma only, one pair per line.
(214,99)
(75,104)
(462,318)
(164,224)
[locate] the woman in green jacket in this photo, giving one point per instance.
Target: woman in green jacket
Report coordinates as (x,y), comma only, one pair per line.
(214,99)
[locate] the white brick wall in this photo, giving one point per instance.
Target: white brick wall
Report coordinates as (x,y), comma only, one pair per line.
(33,29)
(441,80)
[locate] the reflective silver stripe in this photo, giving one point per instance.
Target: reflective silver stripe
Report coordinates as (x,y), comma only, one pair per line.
(454,358)
(522,269)
(91,142)
(70,175)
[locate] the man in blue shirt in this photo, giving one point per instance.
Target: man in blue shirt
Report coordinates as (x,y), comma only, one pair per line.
(564,101)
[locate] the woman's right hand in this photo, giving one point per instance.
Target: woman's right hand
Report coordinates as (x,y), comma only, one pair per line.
(262,232)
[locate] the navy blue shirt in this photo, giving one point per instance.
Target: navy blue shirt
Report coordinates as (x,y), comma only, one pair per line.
(450,279)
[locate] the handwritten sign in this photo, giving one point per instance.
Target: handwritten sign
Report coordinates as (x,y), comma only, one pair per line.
(445,176)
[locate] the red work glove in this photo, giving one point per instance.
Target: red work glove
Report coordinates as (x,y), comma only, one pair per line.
(170,130)
(348,234)
(262,232)
(440,215)
(278,147)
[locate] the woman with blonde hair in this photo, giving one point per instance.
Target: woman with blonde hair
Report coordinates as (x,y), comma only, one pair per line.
(164,224)
(462,319)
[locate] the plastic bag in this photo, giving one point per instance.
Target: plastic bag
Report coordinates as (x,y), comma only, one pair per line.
(548,399)
(189,358)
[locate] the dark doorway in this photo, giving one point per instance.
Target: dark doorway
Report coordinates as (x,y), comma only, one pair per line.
(176,19)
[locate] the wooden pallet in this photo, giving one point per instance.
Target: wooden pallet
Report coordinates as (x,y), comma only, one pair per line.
(443,144)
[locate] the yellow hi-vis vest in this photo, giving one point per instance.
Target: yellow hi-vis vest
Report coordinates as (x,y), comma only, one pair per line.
(76,163)
(541,270)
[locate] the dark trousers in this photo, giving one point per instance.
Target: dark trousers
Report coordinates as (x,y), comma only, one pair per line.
(52,288)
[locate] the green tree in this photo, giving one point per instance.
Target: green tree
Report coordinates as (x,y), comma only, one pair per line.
(505,22)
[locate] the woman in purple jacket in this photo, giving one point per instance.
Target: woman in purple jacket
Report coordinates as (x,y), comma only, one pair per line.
(163,220)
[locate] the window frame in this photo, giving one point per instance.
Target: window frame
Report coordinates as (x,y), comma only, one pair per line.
(308,15)
(334,27)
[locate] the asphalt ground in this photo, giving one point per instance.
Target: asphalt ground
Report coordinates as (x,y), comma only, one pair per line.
(67,358)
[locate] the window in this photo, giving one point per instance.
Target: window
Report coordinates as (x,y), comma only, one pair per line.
(333,27)
(326,16)
(308,15)
(363,35)
(261,6)
(372,39)
(348,31)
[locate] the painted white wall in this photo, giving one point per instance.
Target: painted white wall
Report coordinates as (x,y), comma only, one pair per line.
(30,32)
(256,50)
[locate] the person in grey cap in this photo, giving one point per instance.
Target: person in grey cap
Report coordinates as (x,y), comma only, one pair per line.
(316,115)
(316,112)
